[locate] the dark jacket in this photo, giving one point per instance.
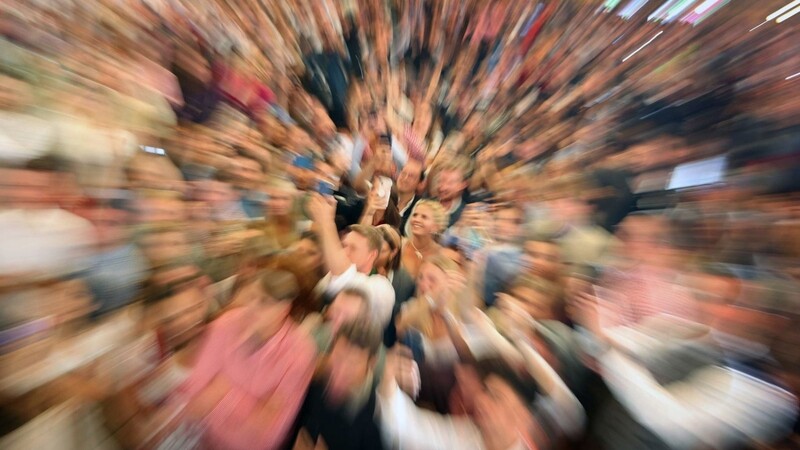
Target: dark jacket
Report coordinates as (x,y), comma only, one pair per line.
(340,429)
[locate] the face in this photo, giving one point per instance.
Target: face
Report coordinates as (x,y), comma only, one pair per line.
(508,224)
(542,259)
(109,225)
(496,408)
(430,280)
(348,366)
(356,247)
(534,303)
(181,316)
(162,248)
(408,180)
(160,210)
(450,185)
(248,172)
(385,256)
(423,222)
(280,203)
(310,253)
(344,308)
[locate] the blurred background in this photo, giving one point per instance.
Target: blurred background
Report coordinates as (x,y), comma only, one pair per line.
(632,165)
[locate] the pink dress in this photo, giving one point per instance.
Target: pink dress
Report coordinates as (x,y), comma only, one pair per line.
(280,370)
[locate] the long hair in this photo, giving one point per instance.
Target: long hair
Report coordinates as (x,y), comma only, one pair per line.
(392,237)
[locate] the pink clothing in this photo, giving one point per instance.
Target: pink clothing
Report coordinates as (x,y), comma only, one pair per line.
(641,293)
(279,371)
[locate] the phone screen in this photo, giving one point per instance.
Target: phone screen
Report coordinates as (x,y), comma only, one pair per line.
(303,162)
(325,188)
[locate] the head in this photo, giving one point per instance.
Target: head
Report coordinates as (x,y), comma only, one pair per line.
(308,250)
(411,177)
(362,244)
(175,307)
(498,397)
(647,238)
(451,180)
(539,298)
(542,258)
(716,289)
(247,172)
(508,223)
(281,198)
(352,358)
(433,275)
(277,290)
(110,220)
(427,219)
(164,244)
(348,305)
(389,258)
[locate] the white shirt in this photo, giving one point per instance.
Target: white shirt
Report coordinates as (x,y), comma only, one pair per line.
(43,241)
(408,427)
(715,407)
(378,288)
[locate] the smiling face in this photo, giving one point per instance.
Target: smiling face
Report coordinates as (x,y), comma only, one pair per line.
(409,177)
(423,221)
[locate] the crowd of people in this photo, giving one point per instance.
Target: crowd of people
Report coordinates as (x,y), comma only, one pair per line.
(367,224)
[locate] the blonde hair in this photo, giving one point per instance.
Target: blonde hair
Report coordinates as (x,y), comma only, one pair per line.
(439,214)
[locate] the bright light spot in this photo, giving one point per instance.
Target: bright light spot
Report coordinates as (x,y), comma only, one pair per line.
(793,76)
(789,14)
(643,46)
(783,10)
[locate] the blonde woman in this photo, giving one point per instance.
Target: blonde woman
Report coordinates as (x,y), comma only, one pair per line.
(427,221)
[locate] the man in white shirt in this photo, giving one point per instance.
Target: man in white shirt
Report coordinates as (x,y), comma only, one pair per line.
(351,260)
(496,397)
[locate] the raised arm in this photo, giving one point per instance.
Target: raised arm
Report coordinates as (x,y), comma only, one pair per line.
(323,211)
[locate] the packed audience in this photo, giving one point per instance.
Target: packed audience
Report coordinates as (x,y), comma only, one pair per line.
(367,224)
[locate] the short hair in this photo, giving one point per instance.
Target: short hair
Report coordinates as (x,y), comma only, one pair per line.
(47,163)
(363,334)
(279,284)
(458,163)
(361,294)
(439,213)
(540,285)
(372,235)
(519,380)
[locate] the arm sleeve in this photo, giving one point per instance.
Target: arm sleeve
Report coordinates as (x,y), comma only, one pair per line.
(406,426)
(715,407)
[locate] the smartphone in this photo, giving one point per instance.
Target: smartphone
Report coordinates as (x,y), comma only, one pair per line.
(384,191)
(303,162)
(325,188)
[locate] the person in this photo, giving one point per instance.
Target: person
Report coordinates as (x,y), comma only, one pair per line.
(389,265)
(247,175)
(117,268)
(153,367)
(451,182)
(351,260)
(500,262)
(252,371)
(440,289)
(500,416)
(678,383)
(410,182)
(427,221)
(281,228)
(340,407)
(542,258)
(379,210)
